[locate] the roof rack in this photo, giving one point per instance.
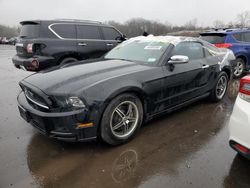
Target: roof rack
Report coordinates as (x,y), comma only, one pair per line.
(78,20)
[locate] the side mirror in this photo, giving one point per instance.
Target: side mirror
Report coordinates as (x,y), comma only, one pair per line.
(121,38)
(178,59)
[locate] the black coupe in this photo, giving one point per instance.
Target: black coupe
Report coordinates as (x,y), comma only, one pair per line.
(109,99)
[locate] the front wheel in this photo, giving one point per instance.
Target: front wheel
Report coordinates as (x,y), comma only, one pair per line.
(220,87)
(121,119)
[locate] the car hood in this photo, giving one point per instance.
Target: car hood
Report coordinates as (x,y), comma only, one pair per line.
(81,76)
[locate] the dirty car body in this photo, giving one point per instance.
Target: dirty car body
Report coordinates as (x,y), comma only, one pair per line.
(58,102)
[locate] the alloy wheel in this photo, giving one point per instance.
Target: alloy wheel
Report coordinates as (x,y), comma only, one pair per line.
(238,69)
(124,119)
(221,87)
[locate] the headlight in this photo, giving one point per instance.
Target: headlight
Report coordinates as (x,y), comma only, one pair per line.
(75,102)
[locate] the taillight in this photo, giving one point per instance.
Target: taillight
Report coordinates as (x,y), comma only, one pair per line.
(223,45)
(30,48)
(245,88)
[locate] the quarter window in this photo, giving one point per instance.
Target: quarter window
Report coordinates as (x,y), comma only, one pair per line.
(193,50)
(65,30)
(88,32)
(110,33)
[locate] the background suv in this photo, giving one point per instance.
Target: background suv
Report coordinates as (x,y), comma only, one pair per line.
(238,40)
(46,43)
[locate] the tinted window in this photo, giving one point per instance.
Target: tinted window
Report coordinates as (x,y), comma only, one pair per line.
(214,38)
(88,32)
(65,30)
(29,31)
(193,50)
(110,33)
(246,37)
(238,36)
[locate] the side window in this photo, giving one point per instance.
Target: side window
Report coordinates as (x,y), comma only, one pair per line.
(193,50)
(65,30)
(110,33)
(246,37)
(88,32)
(238,36)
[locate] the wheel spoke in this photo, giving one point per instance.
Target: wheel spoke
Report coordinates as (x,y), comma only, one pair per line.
(119,125)
(130,110)
(131,119)
(119,112)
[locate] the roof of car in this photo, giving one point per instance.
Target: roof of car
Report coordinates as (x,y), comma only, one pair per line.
(165,39)
(61,20)
(226,30)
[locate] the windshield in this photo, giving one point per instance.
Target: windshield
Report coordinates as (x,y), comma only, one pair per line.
(148,52)
(29,31)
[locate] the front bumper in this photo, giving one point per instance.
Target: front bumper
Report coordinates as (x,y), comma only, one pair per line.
(26,63)
(239,126)
(58,125)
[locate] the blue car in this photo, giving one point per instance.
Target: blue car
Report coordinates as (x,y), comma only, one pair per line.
(237,40)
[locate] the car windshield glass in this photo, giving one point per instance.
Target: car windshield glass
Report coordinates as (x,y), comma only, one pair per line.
(29,31)
(214,39)
(148,52)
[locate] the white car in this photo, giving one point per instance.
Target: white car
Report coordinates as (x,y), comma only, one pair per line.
(239,124)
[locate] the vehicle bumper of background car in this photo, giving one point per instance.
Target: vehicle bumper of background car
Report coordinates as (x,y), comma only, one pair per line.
(33,63)
(58,125)
(239,127)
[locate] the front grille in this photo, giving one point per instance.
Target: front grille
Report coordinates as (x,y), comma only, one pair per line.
(35,100)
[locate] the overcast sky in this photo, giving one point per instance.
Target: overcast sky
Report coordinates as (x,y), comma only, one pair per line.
(177,12)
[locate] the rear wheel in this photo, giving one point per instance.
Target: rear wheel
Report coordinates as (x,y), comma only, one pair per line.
(220,87)
(68,60)
(239,68)
(121,119)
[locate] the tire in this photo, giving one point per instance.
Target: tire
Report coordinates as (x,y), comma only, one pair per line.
(239,68)
(220,87)
(116,130)
(68,60)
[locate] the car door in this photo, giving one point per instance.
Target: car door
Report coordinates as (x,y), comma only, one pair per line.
(182,82)
(112,37)
(90,44)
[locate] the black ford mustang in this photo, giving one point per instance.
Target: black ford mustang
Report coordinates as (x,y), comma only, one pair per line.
(110,98)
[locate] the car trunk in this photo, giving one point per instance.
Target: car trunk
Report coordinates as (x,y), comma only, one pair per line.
(29,31)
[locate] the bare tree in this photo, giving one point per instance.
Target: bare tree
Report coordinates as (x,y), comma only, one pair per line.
(218,24)
(191,24)
(243,19)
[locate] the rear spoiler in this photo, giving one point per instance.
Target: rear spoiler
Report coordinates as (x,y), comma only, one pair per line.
(30,22)
(213,34)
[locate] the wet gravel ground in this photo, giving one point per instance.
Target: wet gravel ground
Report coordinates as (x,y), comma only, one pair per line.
(188,148)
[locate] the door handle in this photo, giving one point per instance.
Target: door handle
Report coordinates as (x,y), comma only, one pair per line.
(110,44)
(82,44)
(205,66)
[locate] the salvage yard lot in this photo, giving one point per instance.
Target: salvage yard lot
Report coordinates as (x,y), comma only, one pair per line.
(188,148)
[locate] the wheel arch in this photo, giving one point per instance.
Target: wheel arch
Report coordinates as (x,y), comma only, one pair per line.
(138,92)
(70,55)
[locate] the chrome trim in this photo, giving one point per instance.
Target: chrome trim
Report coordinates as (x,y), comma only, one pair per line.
(55,33)
(38,104)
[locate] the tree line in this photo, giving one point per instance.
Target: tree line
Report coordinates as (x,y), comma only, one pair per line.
(6,31)
(136,26)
